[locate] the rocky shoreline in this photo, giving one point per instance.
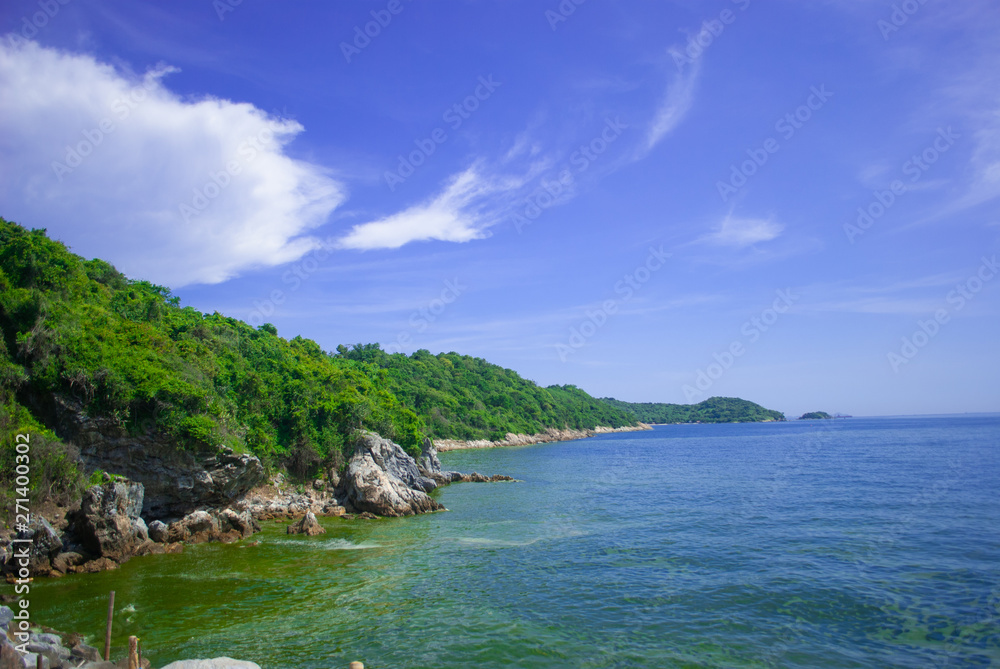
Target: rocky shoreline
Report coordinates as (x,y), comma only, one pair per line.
(109,527)
(550,435)
(115,522)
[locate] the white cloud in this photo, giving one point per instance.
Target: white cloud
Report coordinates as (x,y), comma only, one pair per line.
(451,216)
(110,163)
(741,232)
(674,107)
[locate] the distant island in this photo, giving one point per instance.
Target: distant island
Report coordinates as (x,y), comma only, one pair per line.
(712,410)
(815,415)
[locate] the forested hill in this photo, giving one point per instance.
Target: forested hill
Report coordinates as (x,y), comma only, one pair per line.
(80,330)
(712,410)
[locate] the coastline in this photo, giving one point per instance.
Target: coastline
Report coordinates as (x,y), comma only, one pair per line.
(548,436)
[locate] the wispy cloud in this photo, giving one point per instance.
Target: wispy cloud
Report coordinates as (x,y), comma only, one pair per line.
(675,105)
(450,216)
(740,232)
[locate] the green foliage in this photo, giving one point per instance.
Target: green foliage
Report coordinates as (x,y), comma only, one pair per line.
(127,350)
(712,410)
(461,397)
(815,415)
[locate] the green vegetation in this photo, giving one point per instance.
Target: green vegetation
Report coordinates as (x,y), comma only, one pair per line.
(128,351)
(815,415)
(712,410)
(460,397)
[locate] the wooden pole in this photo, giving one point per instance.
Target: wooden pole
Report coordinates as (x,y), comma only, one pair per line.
(133,652)
(107,631)
(39,661)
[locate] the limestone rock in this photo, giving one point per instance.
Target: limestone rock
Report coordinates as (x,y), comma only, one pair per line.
(226,526)
(216,663)
(382,479)
(108,523)
(44,547)
(308,526)
(176,482)
(158,531)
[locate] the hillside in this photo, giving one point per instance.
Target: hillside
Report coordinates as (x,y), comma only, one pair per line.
(712,410)
(78,330)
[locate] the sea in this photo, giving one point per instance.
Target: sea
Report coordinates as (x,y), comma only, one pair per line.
(857,542)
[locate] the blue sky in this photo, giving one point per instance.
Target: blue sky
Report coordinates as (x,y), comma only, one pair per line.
(794,203)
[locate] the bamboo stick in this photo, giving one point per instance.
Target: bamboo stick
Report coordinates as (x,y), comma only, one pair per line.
(107,631)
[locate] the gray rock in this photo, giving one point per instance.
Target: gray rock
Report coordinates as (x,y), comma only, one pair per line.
(428,461)
(108,523)
(158,531)
(99,664)
(394,460)
(383,480)
(216,663)
(226,526)
(176,482)
(308,526)
(46,638)
(6,615)
(45,545)
(85,652)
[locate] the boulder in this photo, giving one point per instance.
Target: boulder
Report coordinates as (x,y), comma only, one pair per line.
(44,547)
(64,561)
(108,523)
(158,531)
(391,458)
(308,526)
(226,526)
(196,527)
(382,479)
(216,663)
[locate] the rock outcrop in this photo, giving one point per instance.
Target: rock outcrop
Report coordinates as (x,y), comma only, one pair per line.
(224,525)
(176,482)
(108,523)
(308,526)
(383,480)
(430,466)
(45,546)
(54,651)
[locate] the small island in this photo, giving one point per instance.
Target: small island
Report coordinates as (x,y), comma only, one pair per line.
(815,415)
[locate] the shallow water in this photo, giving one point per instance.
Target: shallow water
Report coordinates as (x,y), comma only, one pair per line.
(849,543)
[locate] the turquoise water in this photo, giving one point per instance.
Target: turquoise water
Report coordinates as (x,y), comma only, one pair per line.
(854,543)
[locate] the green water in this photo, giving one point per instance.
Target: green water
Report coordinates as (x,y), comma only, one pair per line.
(865,543)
